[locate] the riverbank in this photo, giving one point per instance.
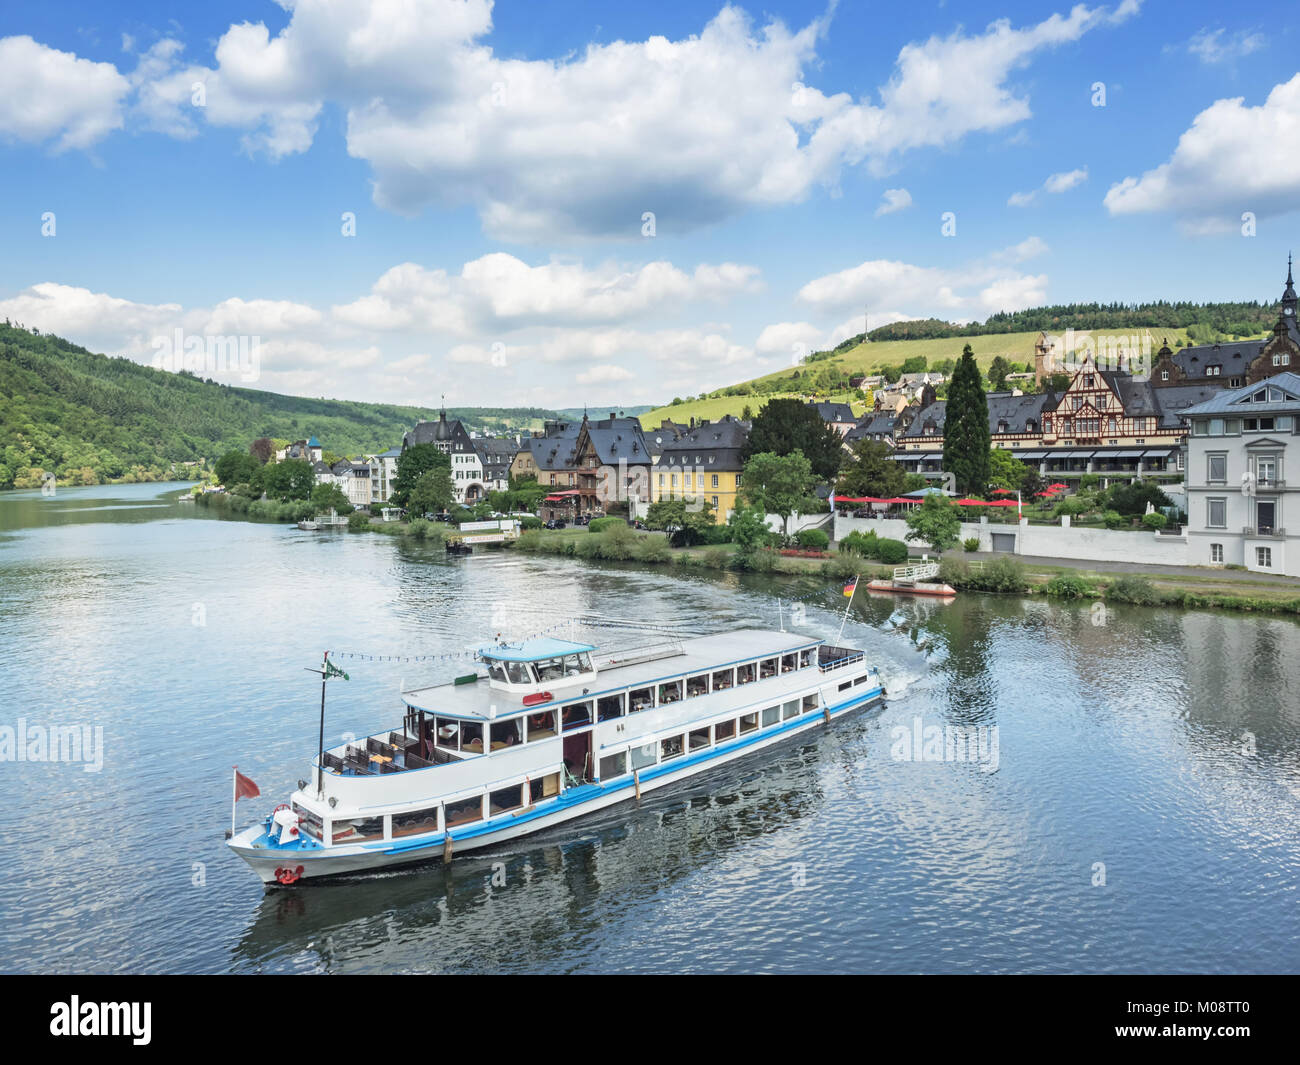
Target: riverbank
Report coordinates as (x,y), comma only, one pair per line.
(995,574)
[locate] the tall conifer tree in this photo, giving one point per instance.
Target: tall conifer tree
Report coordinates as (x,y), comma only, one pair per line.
(966,436)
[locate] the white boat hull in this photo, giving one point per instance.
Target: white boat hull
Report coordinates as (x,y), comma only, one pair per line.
(277,866)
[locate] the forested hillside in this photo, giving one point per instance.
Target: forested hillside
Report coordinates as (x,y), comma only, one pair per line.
(94,419)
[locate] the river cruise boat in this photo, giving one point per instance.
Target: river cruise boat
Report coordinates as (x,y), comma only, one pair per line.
(547,730)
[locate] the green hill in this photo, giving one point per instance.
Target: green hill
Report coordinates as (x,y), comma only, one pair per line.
(95,419)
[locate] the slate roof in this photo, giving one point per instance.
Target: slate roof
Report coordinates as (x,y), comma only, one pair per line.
(1229,401)
(716,443)
(834,412)
(1003,406)
(618,439)
(872,426)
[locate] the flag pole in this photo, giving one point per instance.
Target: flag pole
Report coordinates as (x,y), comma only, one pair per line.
(320,753)
(847,606)
(234,796)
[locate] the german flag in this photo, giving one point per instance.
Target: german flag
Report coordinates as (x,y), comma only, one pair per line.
(850,588)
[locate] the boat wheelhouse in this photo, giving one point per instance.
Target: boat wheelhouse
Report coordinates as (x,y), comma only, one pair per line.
(546,731)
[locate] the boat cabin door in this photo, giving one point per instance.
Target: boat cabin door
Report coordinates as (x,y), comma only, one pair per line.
(577,758)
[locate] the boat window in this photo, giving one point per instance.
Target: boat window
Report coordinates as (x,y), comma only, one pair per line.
(358,830)
(724,730)
(671,747)
(745,673)
(697,686)
(748,722)
(471,736)
(575,715)
(643,756)
(519,673)
(805,658)
(614,765)
(846,684)
(414,822)
(308,821)
(724,679)
(584,662)
(496,670)
(609,707)
(670,692)
(699,738)
(504,799)
(809,703)
(549,669)
(541,726)
(573,665)
(789,663)
(767,668)
(640,699)
(771,715)
(465,811)
(545,787)
(791,709)
(505,734)
(448,733)
(860,680)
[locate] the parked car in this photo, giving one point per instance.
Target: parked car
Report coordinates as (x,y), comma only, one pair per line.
(555,523)
(581,519)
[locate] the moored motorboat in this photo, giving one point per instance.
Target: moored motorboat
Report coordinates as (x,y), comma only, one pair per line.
(483,759)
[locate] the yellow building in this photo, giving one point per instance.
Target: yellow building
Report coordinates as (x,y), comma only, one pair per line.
(704,463)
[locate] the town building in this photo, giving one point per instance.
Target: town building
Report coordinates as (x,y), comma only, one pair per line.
(306,450)
(838,415)
(353,478)
(1238,449)
(612,461)
(704,462)
(383,472)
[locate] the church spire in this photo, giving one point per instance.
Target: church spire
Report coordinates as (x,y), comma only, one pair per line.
(1289,299)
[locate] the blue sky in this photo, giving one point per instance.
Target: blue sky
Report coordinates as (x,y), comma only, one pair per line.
(499,160)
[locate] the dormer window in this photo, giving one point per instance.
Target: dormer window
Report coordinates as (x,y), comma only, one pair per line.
(1164,375)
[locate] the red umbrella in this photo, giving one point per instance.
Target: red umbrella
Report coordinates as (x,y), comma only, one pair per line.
(1003,492)
(1058,485)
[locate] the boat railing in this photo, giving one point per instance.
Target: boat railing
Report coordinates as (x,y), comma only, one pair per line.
(833,658)
(632,656)
(917,571)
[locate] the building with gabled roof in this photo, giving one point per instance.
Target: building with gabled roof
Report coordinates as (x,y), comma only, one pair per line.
(703,463)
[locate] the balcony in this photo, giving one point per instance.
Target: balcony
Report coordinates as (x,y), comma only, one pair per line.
(1266,532)
(1270,484)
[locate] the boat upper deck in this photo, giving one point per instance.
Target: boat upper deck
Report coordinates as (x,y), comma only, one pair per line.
(659,659)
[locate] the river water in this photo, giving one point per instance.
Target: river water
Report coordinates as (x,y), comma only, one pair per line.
(1135,809)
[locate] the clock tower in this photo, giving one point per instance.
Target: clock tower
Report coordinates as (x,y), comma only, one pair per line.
(1288,296)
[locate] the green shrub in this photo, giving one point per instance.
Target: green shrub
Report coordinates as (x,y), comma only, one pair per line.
(862,544)
(358,522)
(717,558)
(764,560)
(601,524)
(530,522)
(841,569)
(891,552)
(813,539)
(971,543)
(417,530)
(1069,586)
(1089,480)
(1133,589)
(651,549)
(1155,521)
(1113,519)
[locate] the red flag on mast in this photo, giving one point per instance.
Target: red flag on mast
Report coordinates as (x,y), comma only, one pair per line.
(244,787)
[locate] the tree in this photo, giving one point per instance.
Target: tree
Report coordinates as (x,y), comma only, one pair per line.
(749,529)
(779,484)
(1005,470)
(262,449)
(934,522)
(289,480)
(327,495)
(915,364)
(432,494)
(236,467)
(685,525)
(872,472)
(998,371)
(411,465)
(785,426)
(966,435)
